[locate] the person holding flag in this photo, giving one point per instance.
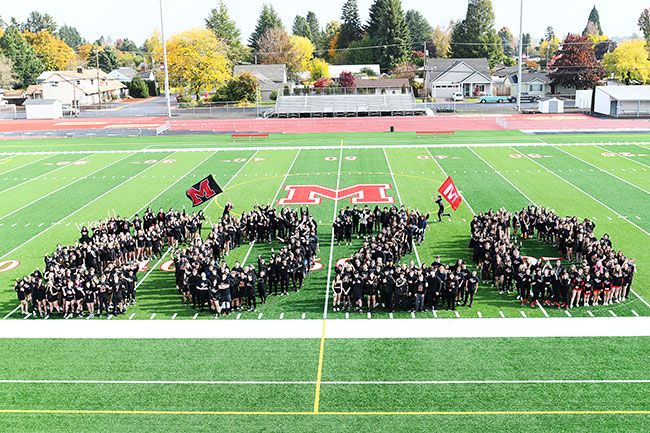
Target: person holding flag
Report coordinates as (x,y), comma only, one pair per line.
(441,209)
(450,193)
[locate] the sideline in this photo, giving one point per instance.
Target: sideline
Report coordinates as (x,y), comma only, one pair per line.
(336,329)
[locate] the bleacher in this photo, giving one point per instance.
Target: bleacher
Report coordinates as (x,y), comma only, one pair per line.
(345,106)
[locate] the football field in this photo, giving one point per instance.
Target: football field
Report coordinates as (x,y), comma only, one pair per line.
(49,188)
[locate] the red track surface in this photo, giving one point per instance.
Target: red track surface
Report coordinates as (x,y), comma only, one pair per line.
(560,122)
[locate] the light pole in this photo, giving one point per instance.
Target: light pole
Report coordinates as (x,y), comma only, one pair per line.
(521,54)
(164,45)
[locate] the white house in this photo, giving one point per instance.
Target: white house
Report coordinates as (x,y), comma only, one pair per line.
(444,77)
(335,70)
(533,82)
(79,87)
(271,78)
(43,109)
(126,75)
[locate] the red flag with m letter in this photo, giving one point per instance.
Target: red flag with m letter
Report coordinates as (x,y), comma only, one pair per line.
(203,191)
(449,191)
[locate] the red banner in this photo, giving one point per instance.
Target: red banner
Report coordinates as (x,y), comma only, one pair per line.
(449,191)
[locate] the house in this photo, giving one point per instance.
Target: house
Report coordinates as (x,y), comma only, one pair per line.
(357,70)
(271,78)
(382,86)
(16,97)
(43,109)
(444,77)
(125,75)
(79,87)
(534,83)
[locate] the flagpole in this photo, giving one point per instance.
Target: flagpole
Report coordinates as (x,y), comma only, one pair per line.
(164,45)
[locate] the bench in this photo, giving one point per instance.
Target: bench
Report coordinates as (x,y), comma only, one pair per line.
(249,136)
(434,133)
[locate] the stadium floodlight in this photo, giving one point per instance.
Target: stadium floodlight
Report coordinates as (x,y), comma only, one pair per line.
(521,54)
(164,47)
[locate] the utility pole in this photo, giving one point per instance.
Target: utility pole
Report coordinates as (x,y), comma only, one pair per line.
(426,74)
(521,55)
(164,44)
(99,88)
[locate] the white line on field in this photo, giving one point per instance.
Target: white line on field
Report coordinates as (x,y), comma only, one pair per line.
(331,257)
(195,316)
(174,316)
(38,177)
(612,313)
(623,156)
(131,316)
(635,313)
(503,316)
(568,313)
(590,313)
(153,316)
(24,165)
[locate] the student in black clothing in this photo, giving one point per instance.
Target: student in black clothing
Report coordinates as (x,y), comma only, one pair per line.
(441,209)
(472,286)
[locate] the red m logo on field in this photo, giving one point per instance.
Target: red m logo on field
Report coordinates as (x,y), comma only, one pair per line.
(358,194)
(203,193)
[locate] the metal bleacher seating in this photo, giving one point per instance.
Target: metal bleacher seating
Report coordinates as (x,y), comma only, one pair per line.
(345,105)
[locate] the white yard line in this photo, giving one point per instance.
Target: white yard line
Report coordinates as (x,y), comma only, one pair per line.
(40,176)
(11,312)
(324,147)
(625,157)
(99,197)
(336,329)
(399,197)
(313,382)
(24,165)
(63,187)
(205,211)
(331,258)
(602,170)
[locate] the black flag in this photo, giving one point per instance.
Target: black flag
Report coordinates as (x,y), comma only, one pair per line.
(203,191)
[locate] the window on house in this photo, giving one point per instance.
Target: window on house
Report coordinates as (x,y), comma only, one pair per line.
(54,84)
(536,88)
(78,82)
(91,82)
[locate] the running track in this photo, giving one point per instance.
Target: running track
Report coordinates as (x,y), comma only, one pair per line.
(542,122)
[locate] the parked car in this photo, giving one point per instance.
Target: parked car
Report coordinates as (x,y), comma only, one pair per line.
(490,99)
(458,97)
(525,97)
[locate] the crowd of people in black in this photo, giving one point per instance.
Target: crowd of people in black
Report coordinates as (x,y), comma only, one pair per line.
(98,274)
(373,275)
(598,273)
(205,280)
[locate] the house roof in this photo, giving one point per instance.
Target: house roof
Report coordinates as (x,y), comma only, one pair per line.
(438,67)
(506,71)
(382,83)
(41,102)
(77,75)
(529,77)
(145,74)
(127,72)
(627,93)
(33,88)
(276,73)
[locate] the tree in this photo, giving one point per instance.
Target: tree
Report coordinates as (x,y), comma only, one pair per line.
(351,28)
(593,24)
(548,47)
(37,22)
(360,52)
(575,64)
(406,70)
(347,80)
(629,62)
(26,64)
(419,28)
(387,28)
(138,88)
(314,28)
(319,69)
(323,82)
(104,57)
(71,36)
(301,27)
(441,38)
(277,47)
(55,55)
(644,24)
(83,53)
(239,89)
(126,44)
(7,75)
(226,30)
(329,40)
(197,61)
(475,36)
(269,19)
(508,42)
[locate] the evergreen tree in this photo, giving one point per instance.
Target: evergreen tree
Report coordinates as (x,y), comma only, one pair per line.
(593,24)
(226,30)
(105,57)
(314,28)
(301,27)
(70,36)
(419,28)
(26,65)
(268,19)
(37,22)
(508,42)
(351,28)
(387,28)
(475,36)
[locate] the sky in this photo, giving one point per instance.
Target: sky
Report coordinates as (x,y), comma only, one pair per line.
(137,19)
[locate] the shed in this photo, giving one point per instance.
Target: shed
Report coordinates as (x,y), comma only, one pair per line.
(551,105)
(43,109)
(622,101)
